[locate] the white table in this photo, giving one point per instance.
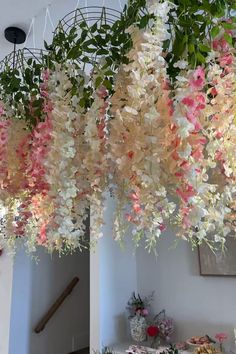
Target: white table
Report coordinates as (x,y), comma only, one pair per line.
(121,348)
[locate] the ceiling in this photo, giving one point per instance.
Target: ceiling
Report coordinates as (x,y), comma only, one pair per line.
(21,12)
(17,13)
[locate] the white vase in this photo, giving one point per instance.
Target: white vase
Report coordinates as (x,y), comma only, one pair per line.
(138,327)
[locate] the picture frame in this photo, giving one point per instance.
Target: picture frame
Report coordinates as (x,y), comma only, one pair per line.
(218,263)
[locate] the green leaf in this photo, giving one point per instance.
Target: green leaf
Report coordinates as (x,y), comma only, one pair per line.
(215,31)
(84,35)
(82,102)
(89,50)
(228,38)
(29,62)
(200,58)
(109,73)
(102,52)
(36,103)
(191,48)
(46,46)
(98,81)
(204,48)
(108,84)
(19,95)
(228,26)
(74,53)
(94,27)
(144,21)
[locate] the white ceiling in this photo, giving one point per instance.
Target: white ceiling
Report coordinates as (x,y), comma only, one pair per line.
(17,13)
(21,12)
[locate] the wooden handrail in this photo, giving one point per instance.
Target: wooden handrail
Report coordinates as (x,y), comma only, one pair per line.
(46,318)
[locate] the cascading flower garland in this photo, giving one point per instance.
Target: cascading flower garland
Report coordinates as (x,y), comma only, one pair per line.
(205,151)
(139,131)
(163,143)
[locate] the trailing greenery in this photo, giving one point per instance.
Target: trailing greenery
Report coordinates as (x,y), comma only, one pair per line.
(192,25)
(171,350)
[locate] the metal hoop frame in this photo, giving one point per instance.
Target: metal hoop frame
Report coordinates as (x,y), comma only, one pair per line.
(19,59)
(92,14)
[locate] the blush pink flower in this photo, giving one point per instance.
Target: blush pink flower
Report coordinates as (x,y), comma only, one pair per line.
(226,59)
(186,193)
(197,153)
(134,196)
(188,101)
(218,134)
(220,45)
(43,235)
(214,92)
(201,141)
(129,217)
(137,208)
(198,79)
(130,154)
(145,312)
(219,155)
(102,92)
(46,75)
(162,227)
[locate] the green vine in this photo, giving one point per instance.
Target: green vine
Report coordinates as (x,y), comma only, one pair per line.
(192,25)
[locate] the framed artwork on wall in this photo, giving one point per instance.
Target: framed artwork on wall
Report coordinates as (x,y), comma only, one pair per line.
(218,263)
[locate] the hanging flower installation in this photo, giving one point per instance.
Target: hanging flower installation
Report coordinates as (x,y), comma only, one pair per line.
(139,133)
(152,119)
(205,148)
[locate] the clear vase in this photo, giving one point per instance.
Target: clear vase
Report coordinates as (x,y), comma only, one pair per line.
(138,328)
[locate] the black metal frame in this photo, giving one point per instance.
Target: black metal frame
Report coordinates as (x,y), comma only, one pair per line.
(19,59)
(89,14)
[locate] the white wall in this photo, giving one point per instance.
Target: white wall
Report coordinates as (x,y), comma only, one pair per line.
(6,265)
(198,304)
(35,288)
(113,279)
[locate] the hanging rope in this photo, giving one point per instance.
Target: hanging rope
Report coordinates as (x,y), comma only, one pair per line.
(50,18)
(77,6)
(31,27)
(45,24)
(47,17)
(121,7)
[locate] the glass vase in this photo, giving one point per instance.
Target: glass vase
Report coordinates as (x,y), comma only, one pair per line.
(138,328)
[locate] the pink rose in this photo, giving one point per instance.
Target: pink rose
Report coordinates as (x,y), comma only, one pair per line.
(221,337)
(145,312)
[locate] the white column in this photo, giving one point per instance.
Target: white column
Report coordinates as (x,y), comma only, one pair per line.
(6,274)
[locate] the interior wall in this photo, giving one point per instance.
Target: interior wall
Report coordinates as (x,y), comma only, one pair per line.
(118,280)
(35,289)
(6,270)
(199,304)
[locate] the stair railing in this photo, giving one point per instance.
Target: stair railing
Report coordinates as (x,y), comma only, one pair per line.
(53,309)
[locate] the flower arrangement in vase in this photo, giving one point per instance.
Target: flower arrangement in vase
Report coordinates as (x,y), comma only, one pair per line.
(138,311)
(165,326)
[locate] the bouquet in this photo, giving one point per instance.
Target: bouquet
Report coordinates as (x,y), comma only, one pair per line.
(139,306)
(165,325)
